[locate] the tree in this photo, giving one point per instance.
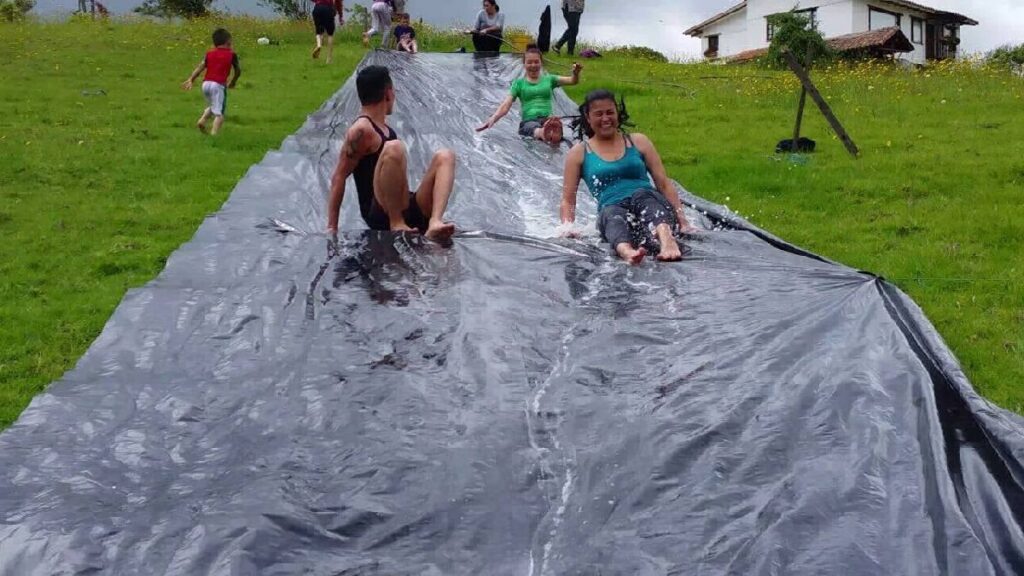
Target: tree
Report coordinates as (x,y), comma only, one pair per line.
(15,10)
(167,8)
(294,9)
(796,32)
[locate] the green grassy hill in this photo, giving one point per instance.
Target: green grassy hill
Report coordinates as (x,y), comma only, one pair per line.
(102,175)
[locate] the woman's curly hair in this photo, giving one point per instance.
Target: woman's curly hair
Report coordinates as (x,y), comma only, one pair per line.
(581,126)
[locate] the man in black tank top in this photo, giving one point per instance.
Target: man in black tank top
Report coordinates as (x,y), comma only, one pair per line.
(376,159)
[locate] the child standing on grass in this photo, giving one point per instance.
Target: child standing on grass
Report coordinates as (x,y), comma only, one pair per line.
(406,35)
(218,64)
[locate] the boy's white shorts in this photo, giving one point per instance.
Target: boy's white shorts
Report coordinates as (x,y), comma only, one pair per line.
(217,96)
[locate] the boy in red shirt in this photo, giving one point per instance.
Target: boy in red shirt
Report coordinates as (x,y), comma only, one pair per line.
(218,64)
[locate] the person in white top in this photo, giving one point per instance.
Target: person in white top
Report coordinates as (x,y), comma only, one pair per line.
(488,32)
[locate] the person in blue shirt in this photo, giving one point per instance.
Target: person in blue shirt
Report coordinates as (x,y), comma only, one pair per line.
(618,168)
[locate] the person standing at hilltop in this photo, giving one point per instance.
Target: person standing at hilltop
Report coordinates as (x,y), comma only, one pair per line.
(325,14)
(572,10)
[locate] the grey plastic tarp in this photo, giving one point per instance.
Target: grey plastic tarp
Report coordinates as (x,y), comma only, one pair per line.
(515,404)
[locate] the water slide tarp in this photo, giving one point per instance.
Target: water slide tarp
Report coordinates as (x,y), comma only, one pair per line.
(514,404)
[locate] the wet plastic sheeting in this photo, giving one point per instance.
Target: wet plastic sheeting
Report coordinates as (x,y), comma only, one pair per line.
(511,405)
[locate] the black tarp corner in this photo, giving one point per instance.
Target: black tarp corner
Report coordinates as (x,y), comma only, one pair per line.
(516,404)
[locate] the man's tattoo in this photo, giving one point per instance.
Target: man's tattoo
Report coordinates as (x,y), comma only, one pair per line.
(353,145)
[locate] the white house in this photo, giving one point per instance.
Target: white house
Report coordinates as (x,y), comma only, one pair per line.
(883,26)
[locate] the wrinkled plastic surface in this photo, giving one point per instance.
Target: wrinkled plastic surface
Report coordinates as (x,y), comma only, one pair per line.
(511,405)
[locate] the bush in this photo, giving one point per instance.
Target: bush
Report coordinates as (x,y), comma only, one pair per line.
(1005,56)
(168,8)
(794,31)
(15,10)
(638,53)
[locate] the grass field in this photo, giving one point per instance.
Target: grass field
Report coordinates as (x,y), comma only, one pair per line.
(102,175)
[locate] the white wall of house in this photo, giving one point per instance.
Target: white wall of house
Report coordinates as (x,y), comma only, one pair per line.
(861,18)
(732,34)
(748,29)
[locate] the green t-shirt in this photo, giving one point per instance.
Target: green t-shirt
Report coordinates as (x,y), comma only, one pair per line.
(536,98)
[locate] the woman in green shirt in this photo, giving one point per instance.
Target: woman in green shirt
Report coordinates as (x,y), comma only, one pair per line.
(536,91)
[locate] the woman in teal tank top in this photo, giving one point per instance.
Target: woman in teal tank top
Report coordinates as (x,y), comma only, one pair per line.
(536,91)
(634,213)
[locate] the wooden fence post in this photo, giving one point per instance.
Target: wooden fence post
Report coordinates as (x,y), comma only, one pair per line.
(811,89)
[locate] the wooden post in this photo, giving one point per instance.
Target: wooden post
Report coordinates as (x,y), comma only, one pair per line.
(802,105)
(809,86)
(799,119)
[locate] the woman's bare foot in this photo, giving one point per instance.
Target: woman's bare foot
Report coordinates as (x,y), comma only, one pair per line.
(553,131)
(670,251)
(440,230)
(634,256)
(316,52)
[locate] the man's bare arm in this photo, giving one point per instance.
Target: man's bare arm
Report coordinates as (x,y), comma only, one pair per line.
(352,151)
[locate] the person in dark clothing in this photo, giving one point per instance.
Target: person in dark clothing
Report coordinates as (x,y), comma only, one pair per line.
(325,14)
(572,10)
(376,159)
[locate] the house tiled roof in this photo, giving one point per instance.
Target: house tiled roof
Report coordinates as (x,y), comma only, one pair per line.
(892,39)
(955,17)
(699,28)
(888,39)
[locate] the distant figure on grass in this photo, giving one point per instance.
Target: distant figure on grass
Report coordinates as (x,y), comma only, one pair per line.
(488,33)
(324,14)
(617,168)
(537,93)
(380,23)
(218,64)
(376,158)
(406,35)
(572,10)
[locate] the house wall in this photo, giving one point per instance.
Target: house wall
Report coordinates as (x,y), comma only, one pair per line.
(747,29)
(732,35)
(860,23)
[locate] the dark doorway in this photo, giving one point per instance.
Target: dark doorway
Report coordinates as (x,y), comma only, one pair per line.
(929,41)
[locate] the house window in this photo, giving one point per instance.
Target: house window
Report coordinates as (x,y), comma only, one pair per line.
(916,30)
(879,18)
(712,46)
(810,13)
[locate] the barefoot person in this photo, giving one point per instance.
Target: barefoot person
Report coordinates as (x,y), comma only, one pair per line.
(218,64)
(380,23)
(537,93)
(324,14)
(376,158)
(617,168)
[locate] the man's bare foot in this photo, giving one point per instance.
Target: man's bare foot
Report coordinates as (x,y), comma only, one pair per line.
(440,230)
(316,52)
(634,256)
(403,229)
(201,126)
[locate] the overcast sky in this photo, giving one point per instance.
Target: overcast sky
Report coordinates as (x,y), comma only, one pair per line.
(655,23)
